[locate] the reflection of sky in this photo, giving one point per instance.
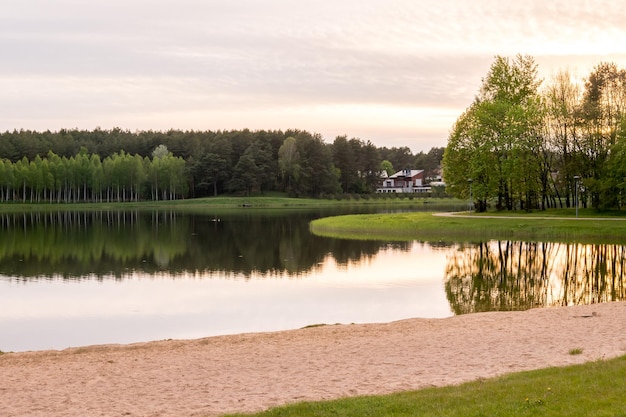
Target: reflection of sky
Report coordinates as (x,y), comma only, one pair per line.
(391,285)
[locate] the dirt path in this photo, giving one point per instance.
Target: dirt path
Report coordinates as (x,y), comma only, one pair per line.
(474,216)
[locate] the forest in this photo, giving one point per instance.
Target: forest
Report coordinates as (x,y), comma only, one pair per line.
(524,145)
(119,165)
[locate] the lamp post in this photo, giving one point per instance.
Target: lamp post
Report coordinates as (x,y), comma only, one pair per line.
(471,200)
(576,178)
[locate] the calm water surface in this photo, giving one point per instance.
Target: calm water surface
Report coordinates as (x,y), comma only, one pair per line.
(73,279)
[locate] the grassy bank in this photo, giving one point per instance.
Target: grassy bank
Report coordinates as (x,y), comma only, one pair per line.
(222,202)
(593,228)
(592,389)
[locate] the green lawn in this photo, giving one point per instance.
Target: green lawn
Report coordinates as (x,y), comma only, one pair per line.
(594,228)
(270,201)
(593,389)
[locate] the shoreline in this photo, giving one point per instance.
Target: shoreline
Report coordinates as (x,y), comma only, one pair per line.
(255,371)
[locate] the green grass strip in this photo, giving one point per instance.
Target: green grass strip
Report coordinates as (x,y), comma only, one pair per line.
(428,227)
(592,389)
(226,202)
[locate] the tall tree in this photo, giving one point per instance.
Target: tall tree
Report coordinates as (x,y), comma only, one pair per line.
(245,175)
(266,163)
(6,179)
(504,127)
(369,167)
(562,97)
(614,181)
(430,162)
(345,159)
(96,182)
(318,174)
(387,166)
(603,106)
(289,162)
(468,161)
(400,158)
(213,167)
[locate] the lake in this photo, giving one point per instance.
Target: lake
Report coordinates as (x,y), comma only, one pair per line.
(80,278)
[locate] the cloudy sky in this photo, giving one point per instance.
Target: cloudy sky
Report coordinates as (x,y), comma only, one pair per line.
(396,72)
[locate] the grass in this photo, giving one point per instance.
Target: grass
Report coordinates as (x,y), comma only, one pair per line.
(311,326)
(227,202)
(576,351)
(426,226)
(592,389)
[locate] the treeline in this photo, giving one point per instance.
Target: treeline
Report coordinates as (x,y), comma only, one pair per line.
(521,145)
(86,177)
(119,165)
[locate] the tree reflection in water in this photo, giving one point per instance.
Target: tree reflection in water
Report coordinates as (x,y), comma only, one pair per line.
(505,275)
(492,276)
(105,244)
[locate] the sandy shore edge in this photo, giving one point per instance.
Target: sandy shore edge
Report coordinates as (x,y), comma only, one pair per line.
(250,372)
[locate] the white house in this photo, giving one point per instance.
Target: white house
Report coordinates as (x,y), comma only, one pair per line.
(405,181)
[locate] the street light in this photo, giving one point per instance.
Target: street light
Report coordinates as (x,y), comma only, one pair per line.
(471,199)
(576,178)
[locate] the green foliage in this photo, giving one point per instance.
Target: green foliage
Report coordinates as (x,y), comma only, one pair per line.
(387,167)
(86,178)
(292,161)
(318,175)
(495,142)
(430,162)
(245,175)
(400,158)
(614,186)
(523,147)
(602,110)
(289,163)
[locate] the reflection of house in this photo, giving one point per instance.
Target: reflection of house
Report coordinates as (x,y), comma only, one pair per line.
(405,181)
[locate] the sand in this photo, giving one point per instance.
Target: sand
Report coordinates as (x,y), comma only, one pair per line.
(250,372)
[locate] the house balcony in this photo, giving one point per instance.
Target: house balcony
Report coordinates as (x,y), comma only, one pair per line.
(406,189)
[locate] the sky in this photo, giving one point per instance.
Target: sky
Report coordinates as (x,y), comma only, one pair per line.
(393,72)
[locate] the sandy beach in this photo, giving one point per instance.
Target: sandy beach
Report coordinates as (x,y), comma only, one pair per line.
(251,372)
